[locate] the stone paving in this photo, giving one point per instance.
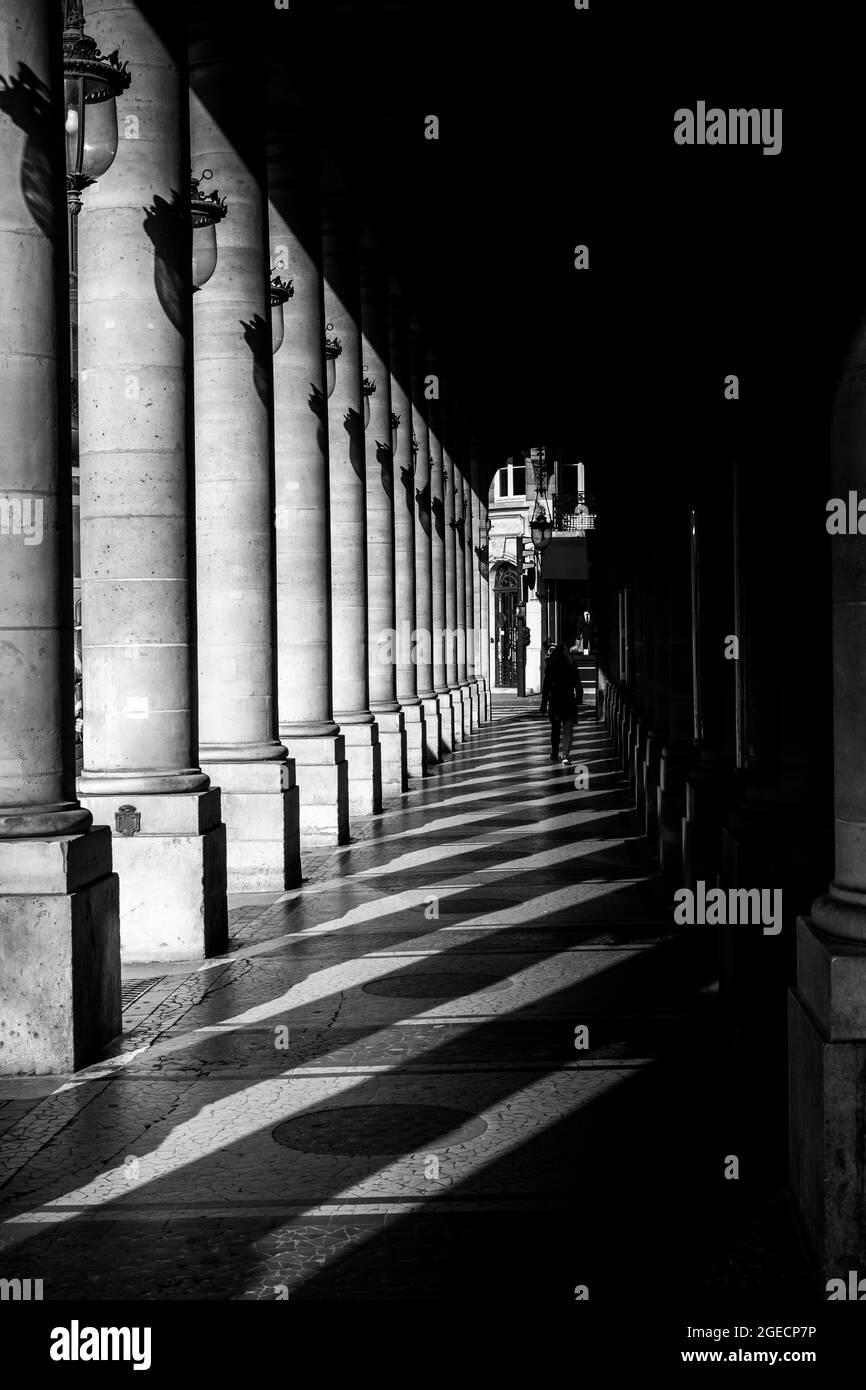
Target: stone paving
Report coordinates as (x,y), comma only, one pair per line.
(378,1093)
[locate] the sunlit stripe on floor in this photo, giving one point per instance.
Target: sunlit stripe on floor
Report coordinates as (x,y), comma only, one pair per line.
(510,1124)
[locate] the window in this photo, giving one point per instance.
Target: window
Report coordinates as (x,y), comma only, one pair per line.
(502,483)
(518,472)
(566,479)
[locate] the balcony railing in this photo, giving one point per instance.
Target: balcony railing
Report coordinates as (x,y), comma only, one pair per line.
(574,512)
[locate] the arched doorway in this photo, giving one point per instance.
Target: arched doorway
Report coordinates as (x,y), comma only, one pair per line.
(505,591)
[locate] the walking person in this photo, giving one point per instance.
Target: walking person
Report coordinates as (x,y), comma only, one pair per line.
(547,647)
(561,698)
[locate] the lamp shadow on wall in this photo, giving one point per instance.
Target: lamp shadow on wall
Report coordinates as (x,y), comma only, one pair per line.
(169,229)
(437,507)
(422,497)
(25,99)
(354,427)
(257,336)
(317,402)
(385,460)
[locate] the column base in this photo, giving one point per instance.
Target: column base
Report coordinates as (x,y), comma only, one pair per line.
(392,744)
(461,731)
(671,805)
(60,999)
(364,756)
(640,770)
(466,701)
(172,873)
(432,730)
(487,706)
(323,789)
(651,783)
(477,698)
(447,730)
(827,1127)
(260,810)
(416,739)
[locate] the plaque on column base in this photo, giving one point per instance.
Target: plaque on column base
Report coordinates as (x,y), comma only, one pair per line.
(416,744)
(170,854)
(392,742)
(260,811)
(59,953)
(827,1130)
(323,788)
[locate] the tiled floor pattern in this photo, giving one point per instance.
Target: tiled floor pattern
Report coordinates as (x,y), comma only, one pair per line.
(379,1093)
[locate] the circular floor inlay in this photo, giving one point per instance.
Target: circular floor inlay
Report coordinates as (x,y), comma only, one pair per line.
(378,1130)
(432,984)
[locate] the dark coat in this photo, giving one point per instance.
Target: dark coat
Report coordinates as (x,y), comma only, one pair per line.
(562,691)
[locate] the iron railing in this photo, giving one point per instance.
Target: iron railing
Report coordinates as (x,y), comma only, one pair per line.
(574,512)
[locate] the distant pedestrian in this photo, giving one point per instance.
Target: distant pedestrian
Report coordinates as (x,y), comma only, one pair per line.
(561,698)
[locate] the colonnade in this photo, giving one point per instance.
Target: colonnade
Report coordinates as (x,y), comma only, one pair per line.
(283,588)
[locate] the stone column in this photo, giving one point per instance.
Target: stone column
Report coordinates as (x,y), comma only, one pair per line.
(403,472)
(423,556)
(658,651)
(134,354)
(484,603)
(301,492)
(677,751)
(379,462)
(469,587)
(235,580)
(465,693)
(59,931)
(347,471)
(451,639)
(438,576)
(479,585)
(827,1010)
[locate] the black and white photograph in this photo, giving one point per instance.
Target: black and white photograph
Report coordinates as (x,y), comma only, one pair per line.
(432,679)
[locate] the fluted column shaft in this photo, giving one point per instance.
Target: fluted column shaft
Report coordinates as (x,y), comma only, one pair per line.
(60,946)
(347,472)
(302,490)
(134,354)
(423,551)
(235,575)
(403,476)
(379,462)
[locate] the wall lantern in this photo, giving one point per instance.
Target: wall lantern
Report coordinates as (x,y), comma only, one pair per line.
(281,293)
(92,83)
(207,210)
(415,447)
(541,530)
(395,425)
(333,348)
(369,388)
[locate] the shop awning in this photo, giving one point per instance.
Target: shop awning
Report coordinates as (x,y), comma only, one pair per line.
(565,558)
